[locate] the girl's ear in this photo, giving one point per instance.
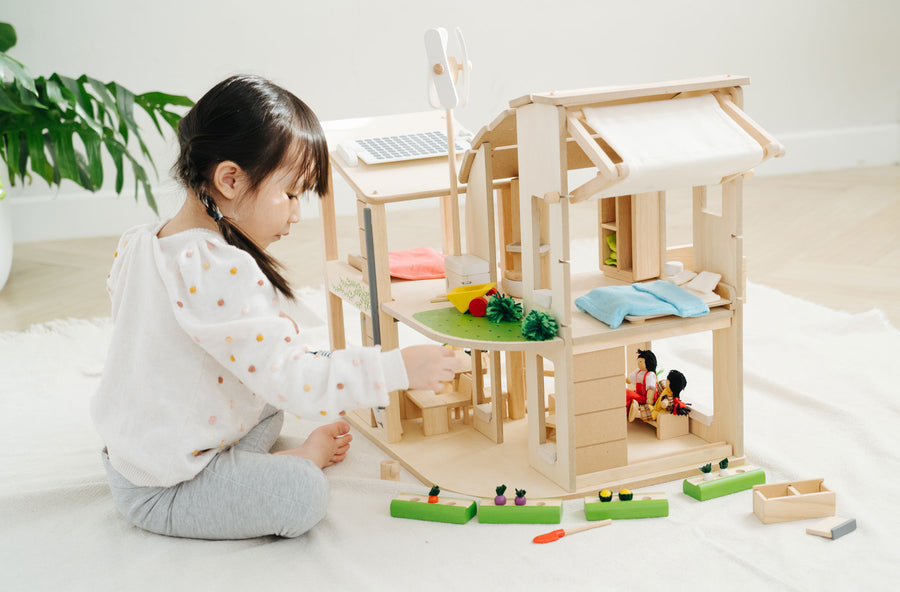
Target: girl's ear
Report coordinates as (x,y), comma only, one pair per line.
(228,179)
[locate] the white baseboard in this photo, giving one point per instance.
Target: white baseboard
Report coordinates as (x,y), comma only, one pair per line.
(51,215)
(835,149)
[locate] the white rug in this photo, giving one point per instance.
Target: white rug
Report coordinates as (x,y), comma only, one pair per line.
(820,401)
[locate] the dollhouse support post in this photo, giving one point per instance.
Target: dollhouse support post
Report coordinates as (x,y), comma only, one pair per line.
(333,302)
(718,247)
(389,335)
(541,137)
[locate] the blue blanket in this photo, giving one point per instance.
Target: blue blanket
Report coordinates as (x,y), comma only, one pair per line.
(611,304)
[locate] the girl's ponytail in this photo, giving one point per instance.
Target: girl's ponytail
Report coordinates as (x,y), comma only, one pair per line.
(235,237)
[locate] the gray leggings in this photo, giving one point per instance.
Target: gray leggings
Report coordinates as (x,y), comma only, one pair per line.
(244,492)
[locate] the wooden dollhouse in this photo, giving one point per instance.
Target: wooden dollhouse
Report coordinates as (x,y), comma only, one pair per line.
(633,143)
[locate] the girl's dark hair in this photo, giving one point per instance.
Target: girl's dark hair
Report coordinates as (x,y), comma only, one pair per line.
(649,359)
(261,127)
(677,382)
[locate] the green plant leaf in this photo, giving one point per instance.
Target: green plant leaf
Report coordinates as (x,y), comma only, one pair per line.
(116,150)
(7,36)
(65,153)
(15,154)
(10,106)
(19,72)
(92,145)
(39,162)
(159,99)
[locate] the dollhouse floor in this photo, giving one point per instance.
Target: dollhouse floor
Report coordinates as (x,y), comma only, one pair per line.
(466,462)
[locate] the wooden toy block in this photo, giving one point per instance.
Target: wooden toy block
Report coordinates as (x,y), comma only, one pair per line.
(740,479)
(792,500)
(643,505)
(670,426)
(390,470)
(832,528)
(535,511)
(446,509)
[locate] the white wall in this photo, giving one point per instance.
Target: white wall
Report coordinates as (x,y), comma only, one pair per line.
(825,73)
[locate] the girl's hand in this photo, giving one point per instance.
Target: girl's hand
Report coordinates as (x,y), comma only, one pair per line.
(429,366)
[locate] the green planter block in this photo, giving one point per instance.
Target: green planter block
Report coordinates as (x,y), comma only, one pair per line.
(535,511)
(644,505)
(741,478)
(447,509)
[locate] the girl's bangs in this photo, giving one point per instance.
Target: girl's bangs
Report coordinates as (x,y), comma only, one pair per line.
(308,156)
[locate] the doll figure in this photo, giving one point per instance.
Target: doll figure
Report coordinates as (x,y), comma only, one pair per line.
(643,379)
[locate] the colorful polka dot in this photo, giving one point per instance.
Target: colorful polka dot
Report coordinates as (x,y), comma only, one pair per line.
(189,253)
(228,340)
(307,388)
(116,254)
(251,369)
(259,337)
(261,283)
(193,289)
(206,265)
(222,444)
(212,420)
(180,304)
(221,380)
(221,302)
(323,413)
(233,270)
(288,339)
(231,358)
(340,386)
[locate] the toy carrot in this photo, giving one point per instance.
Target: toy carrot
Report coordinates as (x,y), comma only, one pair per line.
(558,534)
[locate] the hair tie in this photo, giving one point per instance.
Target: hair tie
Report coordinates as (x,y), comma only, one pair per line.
(211,208)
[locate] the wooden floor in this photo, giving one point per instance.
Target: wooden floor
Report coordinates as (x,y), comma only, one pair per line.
(831,238)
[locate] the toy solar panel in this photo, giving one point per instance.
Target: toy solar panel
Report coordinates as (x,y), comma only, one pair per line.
(405,147)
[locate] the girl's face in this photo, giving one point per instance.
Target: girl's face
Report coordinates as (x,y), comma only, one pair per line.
(268,215)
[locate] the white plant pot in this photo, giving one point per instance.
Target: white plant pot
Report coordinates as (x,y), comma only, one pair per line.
(6,241)
(708,476)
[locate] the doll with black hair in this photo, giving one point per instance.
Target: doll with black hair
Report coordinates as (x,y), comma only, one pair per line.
(669,400)
(643,379)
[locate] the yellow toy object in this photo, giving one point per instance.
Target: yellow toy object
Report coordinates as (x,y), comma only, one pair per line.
(463,295)
(661,405)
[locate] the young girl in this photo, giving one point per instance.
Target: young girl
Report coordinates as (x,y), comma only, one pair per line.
(202,359)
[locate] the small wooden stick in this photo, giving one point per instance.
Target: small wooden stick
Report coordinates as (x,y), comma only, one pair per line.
(558,534)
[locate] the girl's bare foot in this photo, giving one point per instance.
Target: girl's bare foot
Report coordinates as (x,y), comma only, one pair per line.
(326,445)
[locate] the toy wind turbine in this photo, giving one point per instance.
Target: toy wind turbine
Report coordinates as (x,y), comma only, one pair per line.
(447,90)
